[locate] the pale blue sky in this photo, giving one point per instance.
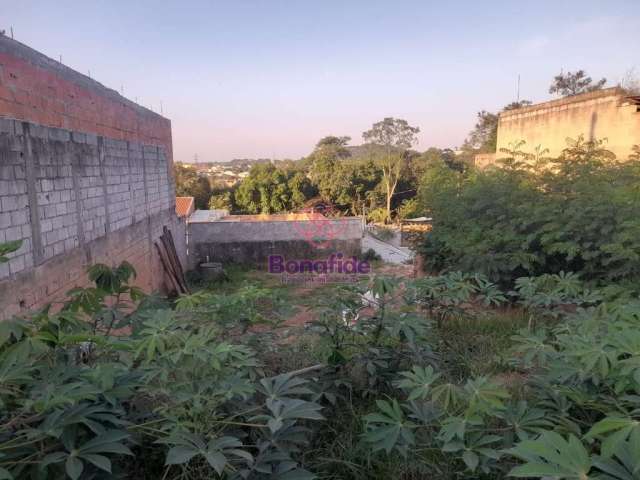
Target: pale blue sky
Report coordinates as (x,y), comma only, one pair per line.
(269,78)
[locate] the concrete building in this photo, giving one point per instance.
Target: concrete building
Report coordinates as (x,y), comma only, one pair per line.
(610,114)
(85,177)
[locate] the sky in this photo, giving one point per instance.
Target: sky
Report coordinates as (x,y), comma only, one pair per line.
(269,78)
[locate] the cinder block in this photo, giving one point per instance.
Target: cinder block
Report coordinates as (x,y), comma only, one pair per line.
(9,203)
(17,187)
(58,183)
(58,248)
(6,126)
(28,260)
(59,135)
(4,273)
(38,131)
(51,237)
(70,243)
(26,231)
(19,172)
(49,211)
(16,264)
(46,225)
(13,233)
(19,218)
(46,185)
(91,138)
(78,137)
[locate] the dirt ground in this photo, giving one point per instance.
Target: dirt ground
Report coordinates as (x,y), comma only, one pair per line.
(303,296)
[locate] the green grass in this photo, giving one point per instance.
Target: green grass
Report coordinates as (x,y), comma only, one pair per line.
(478,346)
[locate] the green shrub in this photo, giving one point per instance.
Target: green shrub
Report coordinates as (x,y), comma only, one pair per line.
(170,399)
(442,377)
(370,255)
(409,208)
(384,233)
(572,415)
(577,213)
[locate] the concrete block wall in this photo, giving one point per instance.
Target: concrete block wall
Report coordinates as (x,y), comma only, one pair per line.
(251,242)
(78,199)
(85,177)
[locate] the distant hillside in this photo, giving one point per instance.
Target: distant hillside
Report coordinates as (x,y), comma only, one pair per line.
(236,162)
(244,162)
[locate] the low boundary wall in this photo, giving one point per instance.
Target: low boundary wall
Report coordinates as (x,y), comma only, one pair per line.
(251,242)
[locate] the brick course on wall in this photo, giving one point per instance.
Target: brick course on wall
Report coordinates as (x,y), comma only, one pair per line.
(37,88)
(85,177)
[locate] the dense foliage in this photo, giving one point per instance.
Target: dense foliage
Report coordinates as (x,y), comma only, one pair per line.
(396,379)
(573,83)
(268,189)
(170,395)
(190,184)
(375,178)
(570,410)
(531,215)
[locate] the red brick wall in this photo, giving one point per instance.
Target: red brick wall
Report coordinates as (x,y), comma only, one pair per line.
(38,89)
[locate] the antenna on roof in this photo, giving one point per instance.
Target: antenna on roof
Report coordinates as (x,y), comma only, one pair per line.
(11,28)
(518,90)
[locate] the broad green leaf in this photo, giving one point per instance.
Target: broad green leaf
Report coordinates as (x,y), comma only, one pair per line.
(74,467)
(180,454)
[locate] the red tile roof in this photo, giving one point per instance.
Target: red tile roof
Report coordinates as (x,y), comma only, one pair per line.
(184,206)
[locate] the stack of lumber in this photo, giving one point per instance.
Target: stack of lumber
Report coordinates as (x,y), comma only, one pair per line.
(171,263)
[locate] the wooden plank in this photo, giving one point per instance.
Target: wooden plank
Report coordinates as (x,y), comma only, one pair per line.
(177,259)
(174,262)
(167,267)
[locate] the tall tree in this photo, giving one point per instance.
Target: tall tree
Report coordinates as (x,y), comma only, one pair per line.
(516,105)
(396,137)
(335,144)
(269,189)
(484,136)
(570,83)
(190,184)
(325,165)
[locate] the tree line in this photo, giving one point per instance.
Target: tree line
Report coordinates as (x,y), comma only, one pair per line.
(379,179)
